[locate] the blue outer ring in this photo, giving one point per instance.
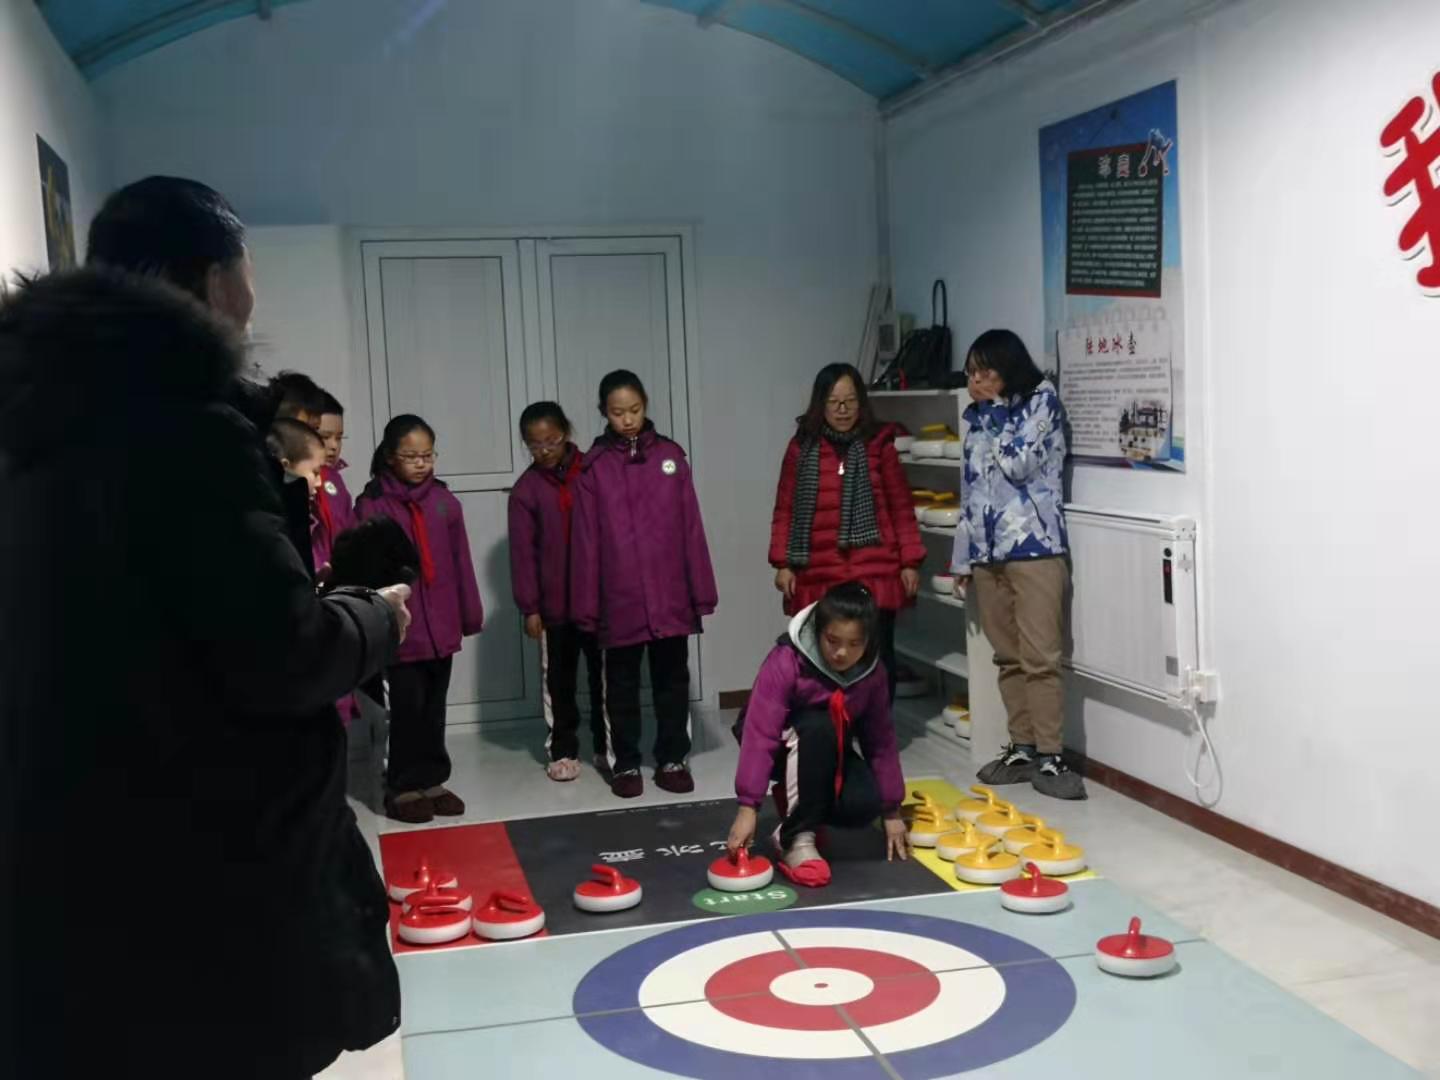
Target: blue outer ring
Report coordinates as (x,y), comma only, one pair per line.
(1039,997)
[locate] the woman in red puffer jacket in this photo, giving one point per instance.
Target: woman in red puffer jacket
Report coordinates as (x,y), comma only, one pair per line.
(843,510)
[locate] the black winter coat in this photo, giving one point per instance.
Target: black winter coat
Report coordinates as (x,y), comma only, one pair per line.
(185,890)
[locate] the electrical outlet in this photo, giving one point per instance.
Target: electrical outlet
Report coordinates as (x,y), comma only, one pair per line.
(1205,685)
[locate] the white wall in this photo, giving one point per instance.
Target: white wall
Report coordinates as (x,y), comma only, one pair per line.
(41,93)
(1312,388)
(565,112)
(302,318)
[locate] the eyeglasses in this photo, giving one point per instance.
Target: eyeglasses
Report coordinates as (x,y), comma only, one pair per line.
(545,447)
(843,405)
(418,459)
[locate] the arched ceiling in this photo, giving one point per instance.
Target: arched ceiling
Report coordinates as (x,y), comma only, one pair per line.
(892,49)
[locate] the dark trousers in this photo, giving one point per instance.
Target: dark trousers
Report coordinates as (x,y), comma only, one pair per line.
(670,689)
(560,651)
(418,759)
(887,647)
(805,773)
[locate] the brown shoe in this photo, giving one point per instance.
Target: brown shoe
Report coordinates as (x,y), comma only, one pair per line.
(628,784)
(445,802)
(413,809)
(674,778)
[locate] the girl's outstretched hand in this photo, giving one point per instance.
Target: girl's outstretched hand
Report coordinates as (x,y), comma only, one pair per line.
(534,626)
(897,839)
(742,833)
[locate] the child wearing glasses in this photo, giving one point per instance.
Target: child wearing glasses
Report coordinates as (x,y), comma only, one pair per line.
(540,514)
(445,605)
(843,510)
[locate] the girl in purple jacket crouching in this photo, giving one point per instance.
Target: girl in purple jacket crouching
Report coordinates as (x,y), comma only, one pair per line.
(541,510)
(640,580)
(821,687)
(445,607)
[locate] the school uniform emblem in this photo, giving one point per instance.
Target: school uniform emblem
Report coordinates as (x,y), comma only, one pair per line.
(668,466)
(330,488)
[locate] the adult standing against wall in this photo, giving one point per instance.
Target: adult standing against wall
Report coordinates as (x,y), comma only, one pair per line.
(1012,544)
(174,788)
(843,510)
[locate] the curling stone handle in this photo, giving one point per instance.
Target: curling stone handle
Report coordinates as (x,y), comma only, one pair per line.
(510,901)
(1035,876)
(1134,940)
(741,859)
(984,792)
(606,875)
(1032,822)
(1051,838)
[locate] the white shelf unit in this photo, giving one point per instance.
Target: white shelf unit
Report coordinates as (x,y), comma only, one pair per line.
(932,462)
(934,597)
(933,637)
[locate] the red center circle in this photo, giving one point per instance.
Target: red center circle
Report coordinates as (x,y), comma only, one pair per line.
(742,990)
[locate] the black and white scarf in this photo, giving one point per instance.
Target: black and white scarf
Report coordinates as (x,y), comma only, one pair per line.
(858,526)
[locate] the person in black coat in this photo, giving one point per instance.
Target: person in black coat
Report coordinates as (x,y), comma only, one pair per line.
(185,890)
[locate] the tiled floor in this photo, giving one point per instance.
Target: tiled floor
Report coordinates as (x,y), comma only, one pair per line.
(1375,976)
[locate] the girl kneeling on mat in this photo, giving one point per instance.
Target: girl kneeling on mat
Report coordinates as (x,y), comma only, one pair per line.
(821,687)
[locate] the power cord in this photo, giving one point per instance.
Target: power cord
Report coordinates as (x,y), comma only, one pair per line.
(1190,700)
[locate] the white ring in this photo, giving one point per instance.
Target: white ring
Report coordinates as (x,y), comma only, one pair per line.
(968,997)
(822,986)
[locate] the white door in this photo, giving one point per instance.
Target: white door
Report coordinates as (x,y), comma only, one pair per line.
(443,321)
(616,302)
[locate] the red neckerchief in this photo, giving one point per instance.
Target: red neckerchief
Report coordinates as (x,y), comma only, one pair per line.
(840,717)
(567,491)
(422,542)
(322,511)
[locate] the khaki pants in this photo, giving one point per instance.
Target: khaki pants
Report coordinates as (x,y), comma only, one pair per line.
(1022,614)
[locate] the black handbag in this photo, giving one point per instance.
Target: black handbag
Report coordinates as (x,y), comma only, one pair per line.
(924,359)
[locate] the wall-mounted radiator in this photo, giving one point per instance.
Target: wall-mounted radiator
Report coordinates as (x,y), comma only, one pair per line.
(1133,620)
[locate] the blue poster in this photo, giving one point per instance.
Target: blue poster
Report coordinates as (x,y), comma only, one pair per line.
(1114,287)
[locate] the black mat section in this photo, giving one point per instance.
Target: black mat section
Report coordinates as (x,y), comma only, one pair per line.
(668,850)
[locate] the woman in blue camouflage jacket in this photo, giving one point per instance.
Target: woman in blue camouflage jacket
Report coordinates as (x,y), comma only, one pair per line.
(1011,547)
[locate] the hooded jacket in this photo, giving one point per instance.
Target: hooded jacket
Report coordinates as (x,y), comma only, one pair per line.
(639,564)
(172,758)
(794,677)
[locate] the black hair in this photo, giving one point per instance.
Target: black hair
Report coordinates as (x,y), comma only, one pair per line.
(620,379)
(290,440)
(373,555)
(850,602)
(169,227)
(395,430)
(295,393)
(1002,352)
(330,405)
(544,410)
(812,424)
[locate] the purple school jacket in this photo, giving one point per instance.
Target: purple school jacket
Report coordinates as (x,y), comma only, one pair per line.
(448,608)
(540,526)
(639,565)
(793,679)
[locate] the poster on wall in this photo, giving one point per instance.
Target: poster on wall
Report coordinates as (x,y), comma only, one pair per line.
(55,200)
(1114,289)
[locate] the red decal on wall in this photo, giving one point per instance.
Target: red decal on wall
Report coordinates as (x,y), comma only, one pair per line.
(1413,179)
